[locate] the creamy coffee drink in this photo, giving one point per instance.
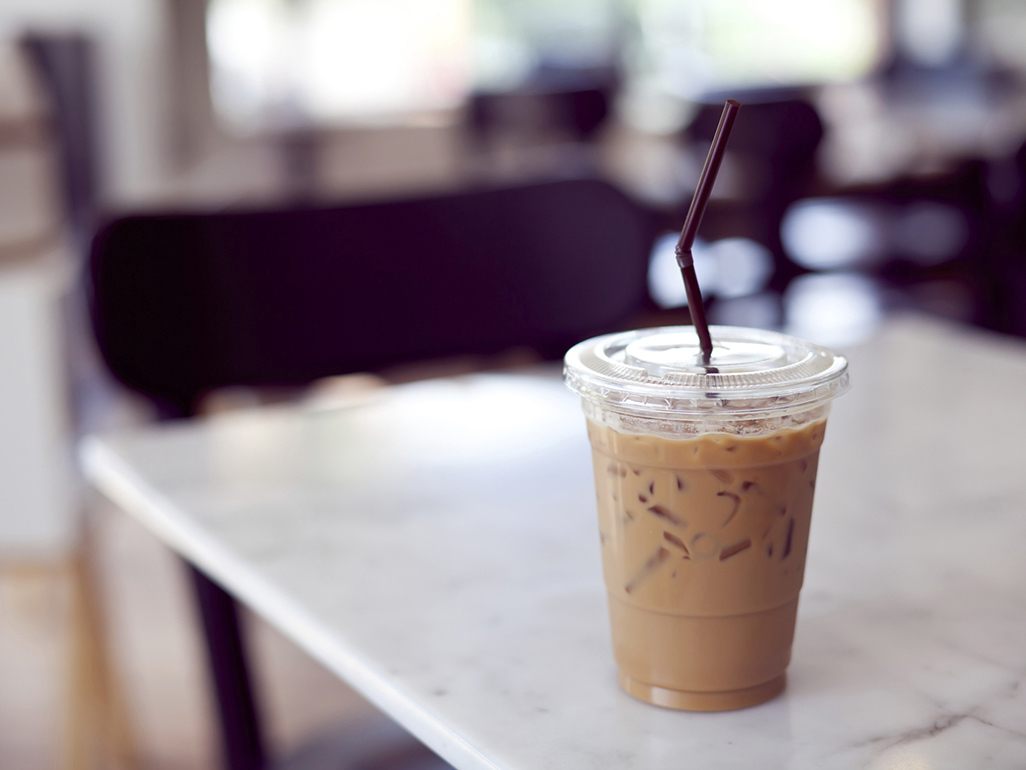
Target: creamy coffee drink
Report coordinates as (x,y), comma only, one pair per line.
(703,550)
(704,473)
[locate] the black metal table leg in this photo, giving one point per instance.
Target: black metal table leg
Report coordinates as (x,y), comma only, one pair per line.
(241,739)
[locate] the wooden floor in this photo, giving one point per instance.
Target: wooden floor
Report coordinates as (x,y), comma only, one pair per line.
(157,654)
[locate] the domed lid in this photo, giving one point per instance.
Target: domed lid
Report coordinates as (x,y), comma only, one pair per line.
(661,371)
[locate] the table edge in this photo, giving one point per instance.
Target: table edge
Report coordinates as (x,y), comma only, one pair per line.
(106,471)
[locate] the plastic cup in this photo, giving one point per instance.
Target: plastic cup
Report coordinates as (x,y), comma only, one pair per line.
(704,478)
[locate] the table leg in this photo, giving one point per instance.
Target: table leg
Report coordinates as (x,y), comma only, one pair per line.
(241,738)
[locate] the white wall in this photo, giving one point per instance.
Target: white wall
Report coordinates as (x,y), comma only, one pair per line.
(37,516)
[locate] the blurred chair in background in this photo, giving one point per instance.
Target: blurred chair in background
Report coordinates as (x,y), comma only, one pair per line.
(186,303)
(1008,258)
(554,105)
(930,241)
(771,160)
(41,527)
(939,245)
(30,206)
(65,65)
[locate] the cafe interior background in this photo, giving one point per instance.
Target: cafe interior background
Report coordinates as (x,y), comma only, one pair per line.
(878,167)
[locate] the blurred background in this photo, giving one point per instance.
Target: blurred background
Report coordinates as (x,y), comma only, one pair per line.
(878,165)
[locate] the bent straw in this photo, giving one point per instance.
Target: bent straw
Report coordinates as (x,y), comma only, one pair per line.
(687,236)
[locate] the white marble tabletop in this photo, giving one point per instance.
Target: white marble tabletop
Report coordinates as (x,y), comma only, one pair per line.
(437,548)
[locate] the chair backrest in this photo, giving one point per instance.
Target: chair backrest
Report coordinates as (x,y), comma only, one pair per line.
(579,112)
(183,303)
(776,137)
(66,63)
(778,125)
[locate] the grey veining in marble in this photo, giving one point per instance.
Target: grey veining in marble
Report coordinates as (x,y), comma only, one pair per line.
(437,548)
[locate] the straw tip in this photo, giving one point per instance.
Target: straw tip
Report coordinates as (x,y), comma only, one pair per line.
(733,103)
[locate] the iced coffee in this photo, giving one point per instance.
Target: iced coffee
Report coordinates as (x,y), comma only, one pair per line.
(704,484)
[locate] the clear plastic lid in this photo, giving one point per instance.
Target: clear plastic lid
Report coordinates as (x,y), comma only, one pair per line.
(660,372)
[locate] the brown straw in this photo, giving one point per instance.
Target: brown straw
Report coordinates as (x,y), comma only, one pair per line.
(694,218)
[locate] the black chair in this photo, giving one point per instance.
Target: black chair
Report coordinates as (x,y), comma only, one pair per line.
(185,303)
(774,141)
(1006,261)
(66,64)
(579,112)
(555,103)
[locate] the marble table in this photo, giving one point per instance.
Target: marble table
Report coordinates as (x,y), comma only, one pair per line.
(436,547)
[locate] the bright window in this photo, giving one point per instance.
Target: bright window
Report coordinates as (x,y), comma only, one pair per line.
(275,62)
(278,62)
(717,44)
